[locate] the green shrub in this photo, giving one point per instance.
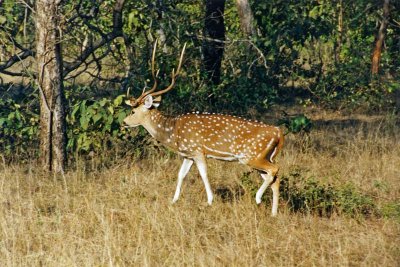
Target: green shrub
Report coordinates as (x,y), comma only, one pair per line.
(311,196)
(308,195)
(18,127)
(92,122)
(296,123)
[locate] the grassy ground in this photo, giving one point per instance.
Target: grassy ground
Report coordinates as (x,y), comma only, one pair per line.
(122,216)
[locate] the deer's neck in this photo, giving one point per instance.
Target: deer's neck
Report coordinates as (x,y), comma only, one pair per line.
(160,127)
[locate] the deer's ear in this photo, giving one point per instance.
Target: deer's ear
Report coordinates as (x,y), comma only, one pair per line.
(148,102)
(157,101)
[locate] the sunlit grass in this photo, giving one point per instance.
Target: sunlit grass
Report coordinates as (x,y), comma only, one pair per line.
(123,216)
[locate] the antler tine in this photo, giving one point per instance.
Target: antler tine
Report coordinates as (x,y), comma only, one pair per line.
(173,75)
(181,59)
(154,74)
(144,88)
(153,57)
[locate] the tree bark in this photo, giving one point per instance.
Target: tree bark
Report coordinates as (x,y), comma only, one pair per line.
(50,82)
(246,17)
(377,53)
(214,33)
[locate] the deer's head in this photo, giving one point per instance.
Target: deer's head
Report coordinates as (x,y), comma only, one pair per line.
(140,111)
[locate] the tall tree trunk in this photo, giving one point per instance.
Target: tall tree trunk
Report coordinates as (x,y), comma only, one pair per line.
(376,55)
(214,33)
(246,17)
(50,82)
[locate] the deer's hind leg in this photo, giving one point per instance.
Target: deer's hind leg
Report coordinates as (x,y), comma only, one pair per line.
(268,172)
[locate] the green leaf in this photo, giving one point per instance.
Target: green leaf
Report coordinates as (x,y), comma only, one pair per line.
(71,143)
(83,107)
(91,111)
(11,115)
(96,117)
(86,144)
(314,12)
(18,115)
(84,123)
(110,120)
(3,19)
(121,116)
(76,108)
(133,19)
(103,102)
(118,100)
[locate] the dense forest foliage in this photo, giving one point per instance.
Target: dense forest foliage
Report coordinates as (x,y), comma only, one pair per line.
(338,54)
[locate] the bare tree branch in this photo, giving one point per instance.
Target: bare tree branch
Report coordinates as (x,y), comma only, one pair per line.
(10,73)
(112,80)
(25,53)
(103,40)
(15,59)
(88,63)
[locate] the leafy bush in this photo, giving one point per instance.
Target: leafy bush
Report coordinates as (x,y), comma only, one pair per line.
(307,195)
(296,123)
(92,122)
(18,127)
(93,125)
(339,87)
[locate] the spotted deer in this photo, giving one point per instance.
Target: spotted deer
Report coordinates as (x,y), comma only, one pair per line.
(198,136)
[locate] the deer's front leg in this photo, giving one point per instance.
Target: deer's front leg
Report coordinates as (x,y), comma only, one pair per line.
(202,166)
(187,163)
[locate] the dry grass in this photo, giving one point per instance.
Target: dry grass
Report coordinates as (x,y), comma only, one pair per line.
(122,216)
